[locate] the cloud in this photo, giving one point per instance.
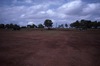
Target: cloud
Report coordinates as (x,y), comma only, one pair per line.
(71,7)
(92,8)
(30,23)
(22,1)
(28,1)
(60,11)
(77,9)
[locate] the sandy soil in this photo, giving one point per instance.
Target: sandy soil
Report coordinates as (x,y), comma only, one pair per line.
(50,48)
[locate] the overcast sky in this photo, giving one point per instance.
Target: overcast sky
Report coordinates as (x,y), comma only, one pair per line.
(25,12)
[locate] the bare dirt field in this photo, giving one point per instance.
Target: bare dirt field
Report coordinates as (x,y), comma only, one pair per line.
(49,48)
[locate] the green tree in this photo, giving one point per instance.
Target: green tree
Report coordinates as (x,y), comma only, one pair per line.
(84,24)
(11,25)
(71,25)
(28,26)
(40,26)
(61,26)
(75,24)
(7,26)
(2,26)
(88,24)
(98,24)
(23,27)
(95,24)
(16,27)
(66,25)
(48,23)
(33,26)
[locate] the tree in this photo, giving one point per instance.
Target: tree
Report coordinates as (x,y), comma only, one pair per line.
(33,26)
(16,27)
(2,26)
(48,23)
(61,26)
(40,26)
(66,25)
(89,25)
(85,24)
(28,26)
(11,25)
(95,24)
(23,27)
(75,24)
(7,26)
(98,24)
(71,25)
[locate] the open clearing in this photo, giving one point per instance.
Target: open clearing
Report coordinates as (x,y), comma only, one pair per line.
(49,48)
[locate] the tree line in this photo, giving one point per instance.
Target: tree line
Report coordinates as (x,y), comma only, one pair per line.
(82,24)
(85,24)
(10,26)
(18,27)
(47,23)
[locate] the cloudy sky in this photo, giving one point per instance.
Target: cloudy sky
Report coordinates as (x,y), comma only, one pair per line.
(25,12)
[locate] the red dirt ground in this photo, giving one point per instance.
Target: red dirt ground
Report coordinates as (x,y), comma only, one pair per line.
(49,48)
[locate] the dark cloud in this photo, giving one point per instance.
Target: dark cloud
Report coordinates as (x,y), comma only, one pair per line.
(36,11)
(92,1)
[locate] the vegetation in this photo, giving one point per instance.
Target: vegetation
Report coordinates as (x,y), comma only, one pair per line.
(85,24)
(2,26)
(40,26)
(66,25)
(16,27)
(10,26)
(32,26)
(61,26)
(48,23)
(82,25)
